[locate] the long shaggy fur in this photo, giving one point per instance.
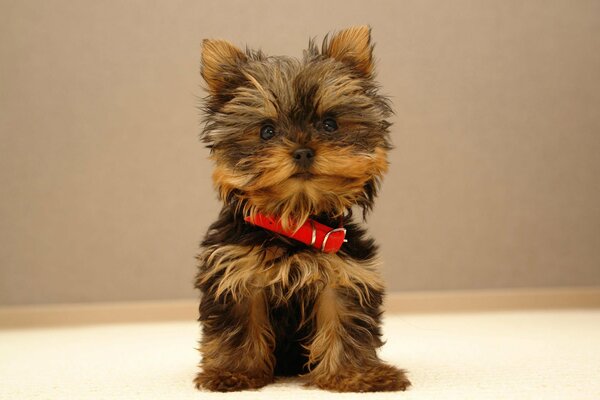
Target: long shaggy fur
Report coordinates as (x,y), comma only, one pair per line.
(270,305)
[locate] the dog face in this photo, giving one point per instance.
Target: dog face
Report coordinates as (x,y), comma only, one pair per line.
(295,138)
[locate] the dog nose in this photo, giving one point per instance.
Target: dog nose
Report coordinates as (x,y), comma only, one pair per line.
(304,157)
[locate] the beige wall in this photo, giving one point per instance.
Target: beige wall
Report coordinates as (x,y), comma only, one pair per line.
(105,190)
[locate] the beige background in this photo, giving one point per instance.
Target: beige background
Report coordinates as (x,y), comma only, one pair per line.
(105,189)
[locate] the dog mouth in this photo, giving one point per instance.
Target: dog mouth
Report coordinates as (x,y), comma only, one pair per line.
(307,176)
(303,175)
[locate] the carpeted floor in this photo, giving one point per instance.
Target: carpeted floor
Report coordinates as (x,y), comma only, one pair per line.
(516,355)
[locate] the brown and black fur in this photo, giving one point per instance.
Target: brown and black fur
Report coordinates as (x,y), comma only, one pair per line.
(271,305)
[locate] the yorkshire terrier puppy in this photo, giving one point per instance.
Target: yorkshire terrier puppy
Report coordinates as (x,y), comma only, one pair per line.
(289,282)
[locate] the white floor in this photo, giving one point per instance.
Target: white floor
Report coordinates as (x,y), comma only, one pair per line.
(517,355)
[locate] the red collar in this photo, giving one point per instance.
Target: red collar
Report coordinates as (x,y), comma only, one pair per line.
(312,233)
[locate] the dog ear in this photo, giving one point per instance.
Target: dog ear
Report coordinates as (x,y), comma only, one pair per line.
(220,64)
(353,47)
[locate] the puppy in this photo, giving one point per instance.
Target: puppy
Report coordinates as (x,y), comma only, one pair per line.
(289,282)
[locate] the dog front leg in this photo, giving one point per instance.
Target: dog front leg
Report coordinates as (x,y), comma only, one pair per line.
(342,354)
(237,343)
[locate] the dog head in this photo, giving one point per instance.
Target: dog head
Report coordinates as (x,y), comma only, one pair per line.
(296,137)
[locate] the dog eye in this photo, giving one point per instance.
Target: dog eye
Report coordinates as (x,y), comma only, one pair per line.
(267,132)
(329,125)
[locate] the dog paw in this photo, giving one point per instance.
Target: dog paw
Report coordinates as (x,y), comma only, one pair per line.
(226,381)
(378,378)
